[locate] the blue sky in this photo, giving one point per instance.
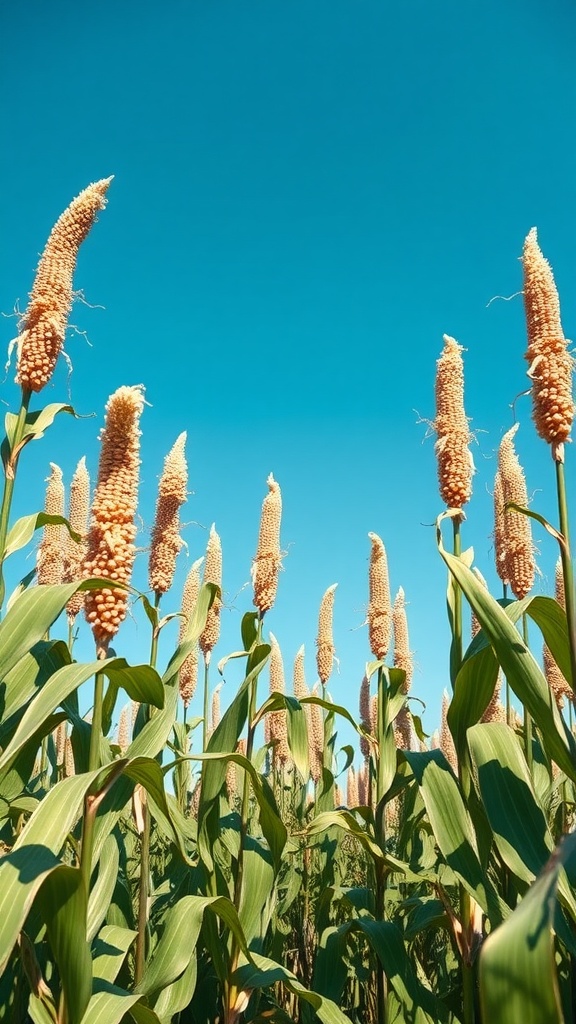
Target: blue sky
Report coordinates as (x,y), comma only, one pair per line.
(306,198)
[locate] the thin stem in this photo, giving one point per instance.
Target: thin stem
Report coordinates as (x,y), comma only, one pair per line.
(206,703)
(567,568)
(96,728)
(527,716)
(456,645)
(9,481)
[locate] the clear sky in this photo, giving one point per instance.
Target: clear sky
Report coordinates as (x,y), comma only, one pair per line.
(307,196)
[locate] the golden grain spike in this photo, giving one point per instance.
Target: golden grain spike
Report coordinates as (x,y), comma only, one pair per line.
(550,363)
(446,740)
(560,593)
(69,766)
(495,712)
(453,436)
(125,728)
(277,719)
(299,683)
(352,795)
(518,548)
(166,539)
(42,328)
(403,729)
(215,720)
(189,668)
(364,708)
(212,574)
(325,638)
(268,560)
(379,607)
(112,531)
(315,740)
(75,551)
(403,657)
(555,679)
(500,529)
(50,558)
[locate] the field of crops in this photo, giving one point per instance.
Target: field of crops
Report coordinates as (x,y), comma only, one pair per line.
(222,868)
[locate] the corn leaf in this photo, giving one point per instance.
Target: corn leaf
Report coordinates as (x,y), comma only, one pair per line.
(23,530)
(62,903)
(109,951)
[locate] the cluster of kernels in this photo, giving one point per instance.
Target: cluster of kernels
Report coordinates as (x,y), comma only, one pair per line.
(364,708)
(363,785)
(299,679)
(277,719)
(550,363)
(69,765)
(517,542)
(500,529)
(42,328)
(403,729)
(166,539)
(268,560)
(112,531)
(560,593)
(374,705)
(495,712)
(475,625)
(60,743)
(215,719)
(325,638)
(379,608)
(212,574)
(555,679)
(124,727)
(453,436)
(446,741)
(315,740)
(75,553)
(50,558)
(188,678)
(352,796)
(403,657)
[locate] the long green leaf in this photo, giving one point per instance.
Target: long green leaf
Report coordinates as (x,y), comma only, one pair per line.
(62,903)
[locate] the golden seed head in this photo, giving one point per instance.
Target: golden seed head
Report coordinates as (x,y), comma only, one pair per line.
(166,540)
(325,639)
(550,363)
(352,796)
(364,708)
(42,328)
(50,558)
(475,626)
(315,740)
(299,678)
(112,530)
(124,727)
(518,546)
(556,681)
(60,743)
(453,436)
(403,729)
(75,551)
(560,593)
(500,529)
(495,712)
(189,667)
(363,785)
(215,709)
(277,719)
(374,714)
(446,740)
(403,657)
(379,607)
(69,766)
(212,574)
(268,560)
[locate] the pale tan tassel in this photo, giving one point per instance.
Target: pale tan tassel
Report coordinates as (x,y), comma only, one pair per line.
(189,669)
(325,639)
(50,558)
(352,795)
(316,740)
(455,463)
(212,574)
(124,728)
(403,657)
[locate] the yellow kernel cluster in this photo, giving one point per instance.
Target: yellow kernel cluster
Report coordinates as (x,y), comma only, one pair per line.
(559,686)
(277,719)
(189,669)
(43,325)
(495,712)
(125,727)
(315,740)
(403,657)
(379,607)
(403,729)
(550,363)
(75,552)
(500,530)
(518,545)
(50,558)
(166,540)
(212,574)
(299,679)
(453,436)
(112,529)
(268,559)
(325,639)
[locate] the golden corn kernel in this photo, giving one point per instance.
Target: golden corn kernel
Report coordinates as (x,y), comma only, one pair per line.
(50,558)
(403,657)
(550,363)
(364,708)
(325,639)
(277,719)
(75,551)
(379,607)
(453,436)
(166,539)
(112,530)
(446,741)
(189,669)
(42,328)
(518,546)
(212,574)
(268,560)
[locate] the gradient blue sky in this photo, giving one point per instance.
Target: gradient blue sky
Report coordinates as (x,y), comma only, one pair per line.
(307,196)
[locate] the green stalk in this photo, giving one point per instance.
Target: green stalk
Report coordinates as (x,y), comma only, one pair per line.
(456,644)
(96,728)
(380,832)
(206,704)
(567,567)
(527,716)
(144,881)
(9,481)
